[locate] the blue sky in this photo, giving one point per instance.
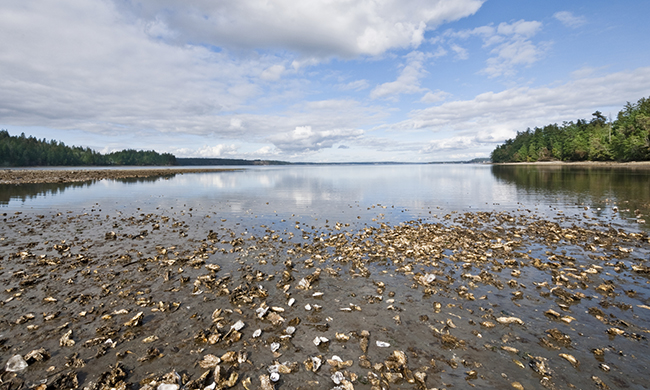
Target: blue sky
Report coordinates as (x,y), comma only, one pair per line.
(318,80)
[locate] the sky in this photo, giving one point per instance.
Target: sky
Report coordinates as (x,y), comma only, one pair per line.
(315,80)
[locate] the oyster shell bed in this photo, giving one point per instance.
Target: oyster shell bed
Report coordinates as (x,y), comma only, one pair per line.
(173,299)
(23,176)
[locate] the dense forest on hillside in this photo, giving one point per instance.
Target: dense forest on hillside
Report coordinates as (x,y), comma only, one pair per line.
(22,151)
(625,139)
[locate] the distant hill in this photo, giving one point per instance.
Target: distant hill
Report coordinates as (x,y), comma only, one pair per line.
(225,161)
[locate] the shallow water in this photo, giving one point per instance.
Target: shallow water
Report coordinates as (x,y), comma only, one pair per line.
(344,192)
(342,220)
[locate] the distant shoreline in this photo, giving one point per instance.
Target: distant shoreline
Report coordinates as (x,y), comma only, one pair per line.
(24,176)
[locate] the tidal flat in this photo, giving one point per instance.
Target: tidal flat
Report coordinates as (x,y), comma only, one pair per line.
(185,299)
(47,175)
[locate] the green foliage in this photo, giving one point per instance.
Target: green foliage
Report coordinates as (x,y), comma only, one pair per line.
(626,139)
(22,151)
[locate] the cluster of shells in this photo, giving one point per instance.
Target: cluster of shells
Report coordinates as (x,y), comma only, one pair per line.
(181,301)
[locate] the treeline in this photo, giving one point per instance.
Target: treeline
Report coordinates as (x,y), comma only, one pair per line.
(625,139)
(22,151)
(225,161)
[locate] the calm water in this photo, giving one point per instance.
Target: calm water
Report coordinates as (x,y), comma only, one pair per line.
(348,193)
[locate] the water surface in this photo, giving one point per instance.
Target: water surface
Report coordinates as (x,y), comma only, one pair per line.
(345,192)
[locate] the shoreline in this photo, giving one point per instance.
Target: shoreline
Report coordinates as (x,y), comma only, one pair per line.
(38,176)
(635,164)
(17,176)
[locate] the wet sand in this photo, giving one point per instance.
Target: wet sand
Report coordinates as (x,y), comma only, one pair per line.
(22,176)
(183,299)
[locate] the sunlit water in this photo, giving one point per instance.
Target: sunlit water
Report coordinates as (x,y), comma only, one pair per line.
(358,193)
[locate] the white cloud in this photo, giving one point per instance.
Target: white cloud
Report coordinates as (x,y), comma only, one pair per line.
(435,97)
(492,117)
(206,151)
(510,45)
(320,28)
(453,143)
(569,20)
(265,152)
(408,82)
(304,139)
(357,85)
(585,71)
(80,65)
(272,73)
(513,53)
(513,47)
(521,28)
(461,52)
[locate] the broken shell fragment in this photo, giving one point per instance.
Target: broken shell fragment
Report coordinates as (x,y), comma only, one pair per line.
(65,340)
(150,339)
(342,337)
(37,355)
(509,320)
(261,311)
(257,333)
(337,377)
(16,363)
(136,320)
(209,361)
(239,325)
(313,363)
(216,315)
(320,340)
(275,318)
(539,365)
(517,385)
(265,383)
(570,359)
(382,344)
(615,331)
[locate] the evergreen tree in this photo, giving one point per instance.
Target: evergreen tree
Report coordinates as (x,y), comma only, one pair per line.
(21,151)
(627,139)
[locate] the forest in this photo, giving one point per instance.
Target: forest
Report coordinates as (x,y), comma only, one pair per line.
(22,151)
(627,138)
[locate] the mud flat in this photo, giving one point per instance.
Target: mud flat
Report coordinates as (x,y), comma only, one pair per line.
(177,299)
(22,176)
